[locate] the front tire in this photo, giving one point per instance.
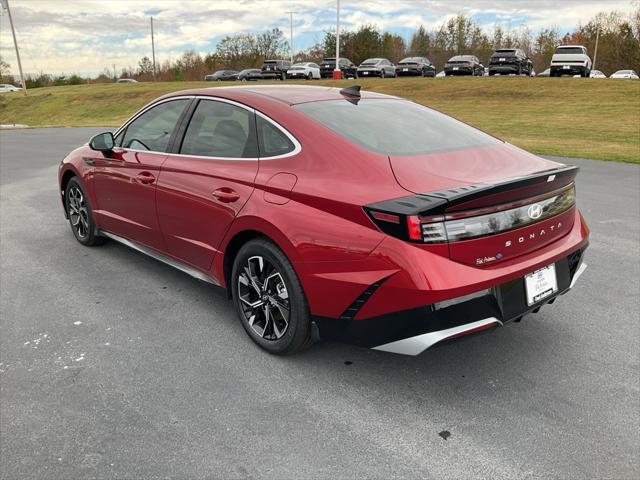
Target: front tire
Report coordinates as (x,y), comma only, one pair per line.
(269,299)
(80,214)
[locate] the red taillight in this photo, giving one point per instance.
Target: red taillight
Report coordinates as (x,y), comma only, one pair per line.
(414,228)
(385,217)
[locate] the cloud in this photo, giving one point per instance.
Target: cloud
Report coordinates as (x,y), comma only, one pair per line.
(84,36)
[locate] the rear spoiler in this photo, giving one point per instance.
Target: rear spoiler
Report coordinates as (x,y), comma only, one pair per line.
(437,202)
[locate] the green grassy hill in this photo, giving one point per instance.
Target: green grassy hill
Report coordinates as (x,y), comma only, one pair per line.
(588,118)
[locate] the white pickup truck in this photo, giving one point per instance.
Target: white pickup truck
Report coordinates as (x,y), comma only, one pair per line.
(570,60)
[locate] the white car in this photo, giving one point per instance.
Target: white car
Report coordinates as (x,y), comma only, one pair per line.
(625,74)
(597,74)
(7,87)
(570,60)
(308,70)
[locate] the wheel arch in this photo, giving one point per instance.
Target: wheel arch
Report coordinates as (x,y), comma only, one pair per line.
(243,231)
(66,175)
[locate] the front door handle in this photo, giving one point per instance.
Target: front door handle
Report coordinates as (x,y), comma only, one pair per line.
(145,178)
(226,195)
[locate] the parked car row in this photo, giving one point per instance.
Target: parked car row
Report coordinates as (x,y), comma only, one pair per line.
(572,60)
(372,67)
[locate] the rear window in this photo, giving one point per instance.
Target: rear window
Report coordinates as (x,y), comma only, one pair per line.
(395,127)
(570,50)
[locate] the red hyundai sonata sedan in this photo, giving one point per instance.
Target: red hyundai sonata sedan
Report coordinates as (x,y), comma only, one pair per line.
(385,223)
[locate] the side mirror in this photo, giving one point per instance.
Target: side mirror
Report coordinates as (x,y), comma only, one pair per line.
(103,142)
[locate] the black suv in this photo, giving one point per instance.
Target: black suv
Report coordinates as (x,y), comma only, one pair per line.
(415,66)
(328,65)
(510,60)
(275,69)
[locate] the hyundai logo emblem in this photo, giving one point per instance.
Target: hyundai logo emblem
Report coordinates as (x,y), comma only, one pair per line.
(535,211)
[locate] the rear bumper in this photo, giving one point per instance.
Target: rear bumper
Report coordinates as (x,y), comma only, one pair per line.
(503,69)
(459,71)
(274,74)
(568,69)
(402,291)
(369,73)
(402,71)
(410,332)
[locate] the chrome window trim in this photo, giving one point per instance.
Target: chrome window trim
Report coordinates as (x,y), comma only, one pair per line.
(144,109)
(297,146)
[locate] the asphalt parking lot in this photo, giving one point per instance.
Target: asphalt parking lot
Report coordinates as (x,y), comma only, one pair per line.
(113,365)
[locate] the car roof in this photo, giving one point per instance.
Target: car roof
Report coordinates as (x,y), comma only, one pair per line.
(288,94)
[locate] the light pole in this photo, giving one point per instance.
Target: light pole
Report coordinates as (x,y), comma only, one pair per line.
(291,34)
(5,5)
(337,73)
(153,50)
(595,54)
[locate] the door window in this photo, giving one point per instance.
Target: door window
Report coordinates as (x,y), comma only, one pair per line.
(219,129)
(152,130)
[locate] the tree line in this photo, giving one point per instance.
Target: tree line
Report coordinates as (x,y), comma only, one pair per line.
(618,48)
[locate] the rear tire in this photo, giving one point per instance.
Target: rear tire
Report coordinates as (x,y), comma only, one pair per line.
(80,214)
(269,299)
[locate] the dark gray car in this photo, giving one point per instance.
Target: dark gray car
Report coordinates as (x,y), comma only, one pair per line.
(222,75)
(250,74)
(420,66)
(464,65)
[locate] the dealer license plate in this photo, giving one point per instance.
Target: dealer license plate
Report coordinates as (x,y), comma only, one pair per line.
(541,284)
(455,68)
(566,67)
(405,69)
(365,73)
(502,59)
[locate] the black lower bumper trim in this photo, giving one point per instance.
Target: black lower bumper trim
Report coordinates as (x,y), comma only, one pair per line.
(505,303)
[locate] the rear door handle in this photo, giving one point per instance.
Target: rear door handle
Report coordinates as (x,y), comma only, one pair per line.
(226,195)
(145,178)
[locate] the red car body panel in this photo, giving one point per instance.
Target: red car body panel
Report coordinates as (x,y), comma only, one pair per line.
(311,205)
(193,220)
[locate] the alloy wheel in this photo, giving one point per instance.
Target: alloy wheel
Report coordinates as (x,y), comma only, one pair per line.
(78,213)
(264,298)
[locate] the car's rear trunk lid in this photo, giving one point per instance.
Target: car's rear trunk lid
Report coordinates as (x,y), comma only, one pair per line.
(487,205)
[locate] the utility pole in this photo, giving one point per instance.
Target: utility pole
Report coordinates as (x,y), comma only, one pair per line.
(595,54)
(5,5)
(153,50)
(291,34)
(337,73)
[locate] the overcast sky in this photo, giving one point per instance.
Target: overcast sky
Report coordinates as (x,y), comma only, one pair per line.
(85,36)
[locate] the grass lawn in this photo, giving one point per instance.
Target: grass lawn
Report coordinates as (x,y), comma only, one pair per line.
(590,118)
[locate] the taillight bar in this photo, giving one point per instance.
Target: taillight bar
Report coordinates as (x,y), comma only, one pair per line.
(465,225)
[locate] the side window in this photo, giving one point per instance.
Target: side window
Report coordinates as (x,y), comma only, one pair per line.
(152,130)
(219,129)
(272,140)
